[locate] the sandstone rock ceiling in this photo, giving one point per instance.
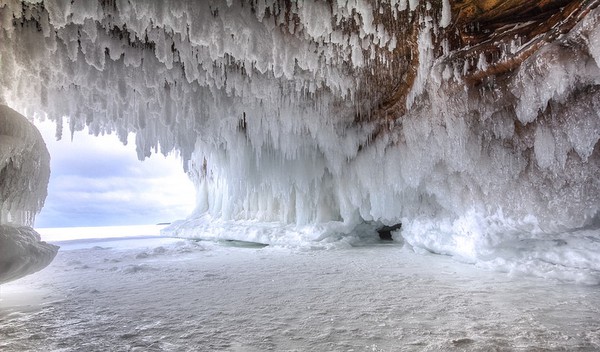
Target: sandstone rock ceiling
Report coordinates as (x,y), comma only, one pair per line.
(479,29)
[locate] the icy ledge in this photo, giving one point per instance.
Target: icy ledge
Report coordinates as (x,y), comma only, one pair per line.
(22,252)
(492,242)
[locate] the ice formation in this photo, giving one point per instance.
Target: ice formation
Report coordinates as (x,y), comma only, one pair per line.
(22,252)
(24,168)
(24,174)
(474,124)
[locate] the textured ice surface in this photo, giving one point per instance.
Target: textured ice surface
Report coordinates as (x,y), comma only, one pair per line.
(177,295)
(273,116)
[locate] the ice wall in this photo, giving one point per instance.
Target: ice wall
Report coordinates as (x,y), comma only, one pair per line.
(288,118)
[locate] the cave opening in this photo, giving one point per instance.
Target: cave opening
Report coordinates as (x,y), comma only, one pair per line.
(385,232)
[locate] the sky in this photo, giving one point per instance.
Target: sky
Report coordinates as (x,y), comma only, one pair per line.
(98,181)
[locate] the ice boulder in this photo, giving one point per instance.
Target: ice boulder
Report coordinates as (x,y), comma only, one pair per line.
(22,252)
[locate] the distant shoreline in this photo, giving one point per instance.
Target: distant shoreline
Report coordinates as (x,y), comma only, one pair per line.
(58,234)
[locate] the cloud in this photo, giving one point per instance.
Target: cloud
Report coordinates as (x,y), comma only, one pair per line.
(97,181)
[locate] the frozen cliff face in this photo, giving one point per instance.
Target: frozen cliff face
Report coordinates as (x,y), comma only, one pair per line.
(476,130)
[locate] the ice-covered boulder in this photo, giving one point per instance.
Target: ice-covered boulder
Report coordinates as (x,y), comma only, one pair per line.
(24,174)
(22,252)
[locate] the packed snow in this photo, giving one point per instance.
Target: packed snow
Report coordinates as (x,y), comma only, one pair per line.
(165,294)
(269,108)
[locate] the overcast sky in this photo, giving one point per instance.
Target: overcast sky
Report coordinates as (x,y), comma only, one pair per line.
(97,181)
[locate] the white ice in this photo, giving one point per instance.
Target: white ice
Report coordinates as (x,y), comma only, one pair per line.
(166,294)
(504,176)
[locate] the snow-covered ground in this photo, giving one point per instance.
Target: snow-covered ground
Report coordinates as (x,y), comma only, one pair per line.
(164,294)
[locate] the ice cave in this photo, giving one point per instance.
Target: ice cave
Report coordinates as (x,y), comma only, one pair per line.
(473,124)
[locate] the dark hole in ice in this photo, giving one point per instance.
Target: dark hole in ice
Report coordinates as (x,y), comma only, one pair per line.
(385,232)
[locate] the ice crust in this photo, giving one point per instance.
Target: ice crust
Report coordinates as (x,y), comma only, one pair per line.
(262,110)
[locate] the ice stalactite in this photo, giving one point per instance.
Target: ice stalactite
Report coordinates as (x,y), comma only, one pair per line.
(24,174)
(474,124)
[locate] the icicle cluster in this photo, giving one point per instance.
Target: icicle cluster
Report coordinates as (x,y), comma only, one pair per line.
(170,70)
(319,116)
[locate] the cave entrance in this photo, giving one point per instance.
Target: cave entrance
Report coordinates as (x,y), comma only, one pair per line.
(385,232)
(113,187)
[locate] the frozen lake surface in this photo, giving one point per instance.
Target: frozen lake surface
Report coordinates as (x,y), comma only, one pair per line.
(162,294)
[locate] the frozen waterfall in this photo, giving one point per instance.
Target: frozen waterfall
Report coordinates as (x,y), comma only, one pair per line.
(317,122)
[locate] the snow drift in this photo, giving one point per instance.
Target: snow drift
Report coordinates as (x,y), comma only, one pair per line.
(321,121)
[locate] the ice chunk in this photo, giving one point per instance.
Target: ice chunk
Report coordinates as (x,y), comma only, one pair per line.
(22,252)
